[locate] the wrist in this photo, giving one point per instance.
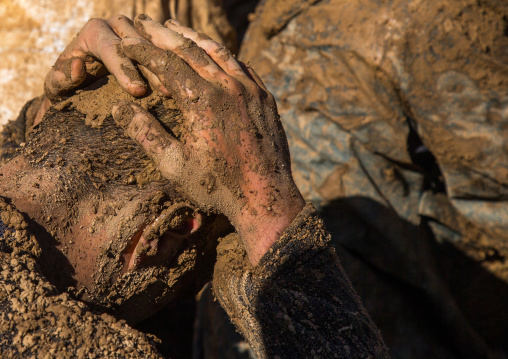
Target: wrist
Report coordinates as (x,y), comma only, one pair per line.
(261,222)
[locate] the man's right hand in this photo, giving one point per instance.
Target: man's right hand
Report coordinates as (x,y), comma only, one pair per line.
(96,46)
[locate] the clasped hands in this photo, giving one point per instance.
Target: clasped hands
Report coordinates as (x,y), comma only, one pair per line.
(233,156)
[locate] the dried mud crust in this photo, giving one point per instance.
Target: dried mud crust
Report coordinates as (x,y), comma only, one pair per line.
(16,238)
(13,133)
(97,100)
(37,321)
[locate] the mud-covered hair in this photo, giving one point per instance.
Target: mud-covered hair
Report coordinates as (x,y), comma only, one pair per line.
(90,158)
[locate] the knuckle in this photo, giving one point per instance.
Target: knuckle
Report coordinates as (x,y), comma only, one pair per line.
(204,37)
(92,28)
(187,45)
(220,49)
(118,18)
(222,52)
(235,86)
(162,61)
(95,22)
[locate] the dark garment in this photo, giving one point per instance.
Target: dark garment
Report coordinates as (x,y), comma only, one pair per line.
(297,302)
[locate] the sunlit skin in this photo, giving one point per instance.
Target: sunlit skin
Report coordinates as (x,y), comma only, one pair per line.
(30,189)
(230,115)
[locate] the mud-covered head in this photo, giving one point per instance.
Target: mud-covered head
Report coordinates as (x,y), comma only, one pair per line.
(109,225)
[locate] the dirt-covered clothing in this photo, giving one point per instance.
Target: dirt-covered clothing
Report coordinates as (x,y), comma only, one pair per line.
(297,302)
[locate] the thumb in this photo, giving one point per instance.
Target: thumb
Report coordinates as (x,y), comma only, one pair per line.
(64,76)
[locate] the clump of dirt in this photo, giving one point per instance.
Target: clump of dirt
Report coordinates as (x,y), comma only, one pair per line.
(97,100)
(37,321)
(15,238)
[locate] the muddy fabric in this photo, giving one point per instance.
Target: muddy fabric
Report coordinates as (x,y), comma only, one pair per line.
(396,114)
(37,321)
(297,302)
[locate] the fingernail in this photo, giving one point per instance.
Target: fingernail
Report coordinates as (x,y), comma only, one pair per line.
(139,83)
(76,72)
(138,88)
(122,114)
(144,17)
(175,22)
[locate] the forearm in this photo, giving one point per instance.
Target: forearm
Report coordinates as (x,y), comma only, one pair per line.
(297,302)
(266,216)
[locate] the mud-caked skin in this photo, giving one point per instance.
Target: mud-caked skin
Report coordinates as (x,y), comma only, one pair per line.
(231,157)
(38,321)
(234,155)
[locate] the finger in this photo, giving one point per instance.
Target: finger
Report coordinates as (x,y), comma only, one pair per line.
(66,74)
(123,26)
(95,41)
(253,75)
(100,41)
(219,53)
(45,105)
(154,81)
(143,128)
(174,73)
(187,49)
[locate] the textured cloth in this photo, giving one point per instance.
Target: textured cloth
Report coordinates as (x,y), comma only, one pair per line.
(297,302)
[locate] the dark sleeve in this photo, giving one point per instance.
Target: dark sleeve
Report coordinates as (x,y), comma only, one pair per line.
(297,302)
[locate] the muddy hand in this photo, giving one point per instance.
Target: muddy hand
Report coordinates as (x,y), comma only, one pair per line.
(94,52)
(233,156)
